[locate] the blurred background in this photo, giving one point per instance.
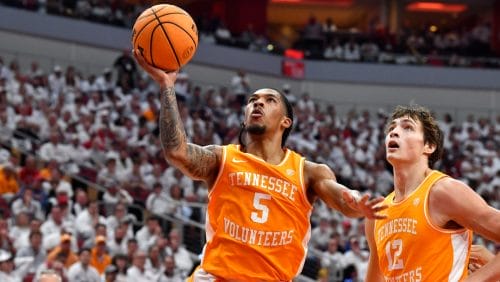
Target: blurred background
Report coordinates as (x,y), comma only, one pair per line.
(82,177)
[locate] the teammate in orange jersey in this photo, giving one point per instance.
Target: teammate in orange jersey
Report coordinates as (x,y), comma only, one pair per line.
(427,233)
(260,193)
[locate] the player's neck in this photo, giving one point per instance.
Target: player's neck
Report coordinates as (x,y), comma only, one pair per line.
(407,178)
(267,150)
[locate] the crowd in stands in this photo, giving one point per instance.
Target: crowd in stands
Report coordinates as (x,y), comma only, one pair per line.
(460,47)
(464,47)
(59,127)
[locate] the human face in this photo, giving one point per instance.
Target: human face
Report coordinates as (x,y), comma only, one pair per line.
(85,258)
(404,141)
(265,110)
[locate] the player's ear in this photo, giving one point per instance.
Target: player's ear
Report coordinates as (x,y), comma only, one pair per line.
(286,122)
(429,148)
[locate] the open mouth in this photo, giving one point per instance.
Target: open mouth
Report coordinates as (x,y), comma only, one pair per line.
(256,113)
(393,145)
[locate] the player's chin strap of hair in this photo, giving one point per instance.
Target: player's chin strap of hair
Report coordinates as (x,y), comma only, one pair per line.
(240,135)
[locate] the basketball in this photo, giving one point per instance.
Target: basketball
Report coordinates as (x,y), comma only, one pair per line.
(166,36)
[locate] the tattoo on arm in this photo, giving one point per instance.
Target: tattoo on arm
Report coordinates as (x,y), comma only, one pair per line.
(195,161)
(201,161)
(172,133)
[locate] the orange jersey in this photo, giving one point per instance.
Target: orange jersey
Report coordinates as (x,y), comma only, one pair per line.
(257,219)
(411,248)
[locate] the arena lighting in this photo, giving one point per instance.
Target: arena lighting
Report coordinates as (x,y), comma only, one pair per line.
(436,7)
(340,3)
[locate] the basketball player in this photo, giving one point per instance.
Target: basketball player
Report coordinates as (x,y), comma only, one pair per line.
(260,193)
(427,233)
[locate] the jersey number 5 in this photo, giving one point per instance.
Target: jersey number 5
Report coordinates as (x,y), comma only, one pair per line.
(393,250)
(260,216)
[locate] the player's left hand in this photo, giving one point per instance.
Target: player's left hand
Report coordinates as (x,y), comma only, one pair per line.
(370,208)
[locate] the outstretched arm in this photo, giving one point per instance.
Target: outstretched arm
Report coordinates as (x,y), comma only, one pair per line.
(479,256)
(490,272)
(197,162)
(351,203)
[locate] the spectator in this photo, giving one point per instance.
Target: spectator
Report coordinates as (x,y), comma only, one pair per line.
(351,51)
(176,204)
(34,250)
(178,251)
(88,220)
(57,83)
(29,171)
(8,270)
(333,260)
(63,252)
(148,234)
(99,258)
(223,34)
(154,262)
(21,230)
(333,51)
(158,202)
(27,204)
(120,216)
(357,257)
(81,202)
(328,29)
(118,243)
(126,68)
(111,274)
(54,223)
(138,272)
(9,185)
(82,270)
(53,149)
(115,194)
(170,273)
(122,263)
(240,84)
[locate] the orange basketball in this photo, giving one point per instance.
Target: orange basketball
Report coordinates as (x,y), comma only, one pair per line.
(166,36)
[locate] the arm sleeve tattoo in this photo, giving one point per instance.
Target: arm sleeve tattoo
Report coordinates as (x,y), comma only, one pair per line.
(172,133)
(195,161)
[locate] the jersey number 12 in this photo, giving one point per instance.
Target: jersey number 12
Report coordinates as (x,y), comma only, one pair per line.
(393,250)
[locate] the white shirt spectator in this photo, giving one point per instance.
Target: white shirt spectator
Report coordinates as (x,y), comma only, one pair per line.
(158,202)
(357,257)
(113,195)
(50,150)
(33,207)
(86,222)
(134,274)
(78,273)
(182,258)
(145,238)
(56,83)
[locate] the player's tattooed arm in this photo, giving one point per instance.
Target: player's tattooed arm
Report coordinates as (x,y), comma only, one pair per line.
(172,133)
(197,162)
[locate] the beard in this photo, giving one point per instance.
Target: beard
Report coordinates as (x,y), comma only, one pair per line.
(256,129)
